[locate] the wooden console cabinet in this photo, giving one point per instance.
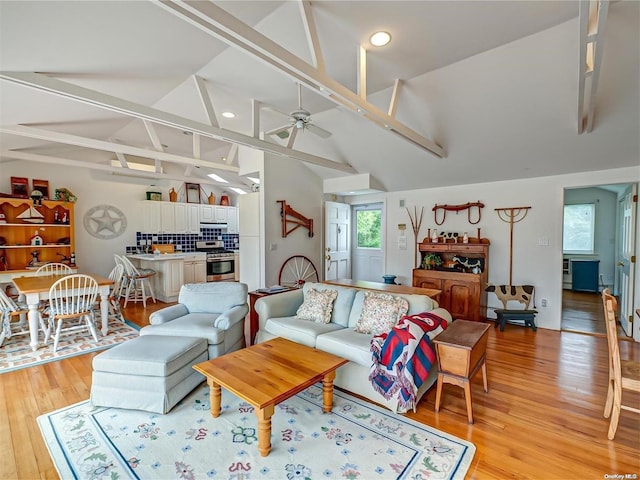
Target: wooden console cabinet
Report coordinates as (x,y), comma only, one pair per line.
(463,294)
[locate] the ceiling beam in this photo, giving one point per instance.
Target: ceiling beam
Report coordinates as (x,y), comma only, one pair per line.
(205,98)
(125,107)
(220,24)
(129,172)
(592,21)
(65,138)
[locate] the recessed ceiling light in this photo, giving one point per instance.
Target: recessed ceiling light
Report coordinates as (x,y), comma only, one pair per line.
(380,39)
(237,190)
(228,114)
(217,178)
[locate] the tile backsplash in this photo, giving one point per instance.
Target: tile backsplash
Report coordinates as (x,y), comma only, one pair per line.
(185,242)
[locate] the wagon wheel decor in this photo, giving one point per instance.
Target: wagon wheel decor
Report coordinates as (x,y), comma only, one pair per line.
(296,271)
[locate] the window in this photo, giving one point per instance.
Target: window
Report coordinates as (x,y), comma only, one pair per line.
(578,230)
(368,228)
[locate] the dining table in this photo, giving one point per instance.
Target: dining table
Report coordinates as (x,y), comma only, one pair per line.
(35,289)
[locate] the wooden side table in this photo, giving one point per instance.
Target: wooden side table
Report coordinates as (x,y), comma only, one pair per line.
(253,315)
(462,350)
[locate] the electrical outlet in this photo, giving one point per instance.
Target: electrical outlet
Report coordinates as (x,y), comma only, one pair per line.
(543,302)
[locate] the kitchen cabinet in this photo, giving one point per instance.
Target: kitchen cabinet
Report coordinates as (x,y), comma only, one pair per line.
(195,268)
(207,213)
(232,219)
(220,214)
(169,275)
(170,217)
(463,293)
(52,239)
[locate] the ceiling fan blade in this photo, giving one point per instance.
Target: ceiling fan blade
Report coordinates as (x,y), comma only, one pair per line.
(321,132)
(280,132)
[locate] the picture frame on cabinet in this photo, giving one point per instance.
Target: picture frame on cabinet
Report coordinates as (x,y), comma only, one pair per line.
(20,187)
(42,186)
(192,192)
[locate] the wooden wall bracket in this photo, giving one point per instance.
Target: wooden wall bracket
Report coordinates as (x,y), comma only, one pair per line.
(290,216)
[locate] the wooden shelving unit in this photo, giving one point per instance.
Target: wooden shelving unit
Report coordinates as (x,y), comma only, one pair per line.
(463,293)
(16,233)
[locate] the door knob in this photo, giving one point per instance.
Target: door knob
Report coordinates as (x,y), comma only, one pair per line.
(328,257)
(620,264)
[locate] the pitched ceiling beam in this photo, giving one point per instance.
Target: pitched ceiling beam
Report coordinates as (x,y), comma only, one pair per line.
(361,79)
(128,172)
(393,103)
(205,98)
(593,21)
(233,153)
(125,107)
(48,135)
(310,31)
(220,24)
(155,141)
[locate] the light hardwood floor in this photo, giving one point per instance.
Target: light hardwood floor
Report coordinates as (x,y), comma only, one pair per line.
(542,417)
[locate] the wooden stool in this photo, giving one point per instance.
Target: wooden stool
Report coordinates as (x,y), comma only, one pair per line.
(527,315)
(461,350)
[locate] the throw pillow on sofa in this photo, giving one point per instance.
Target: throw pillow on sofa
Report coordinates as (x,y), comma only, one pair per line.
(380,312)
(317,305)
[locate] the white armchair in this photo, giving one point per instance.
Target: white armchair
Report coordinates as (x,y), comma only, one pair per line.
(214,311)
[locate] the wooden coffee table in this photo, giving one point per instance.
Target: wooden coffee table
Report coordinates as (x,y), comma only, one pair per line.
(268,373)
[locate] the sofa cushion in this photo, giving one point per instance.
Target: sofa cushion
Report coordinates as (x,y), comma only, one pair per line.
(347,343)
(299,331)
(380,312)
(199,325)
(213,296)
(317,305)
(417,304)
(341,305)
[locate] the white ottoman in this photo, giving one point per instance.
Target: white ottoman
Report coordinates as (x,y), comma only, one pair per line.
(151,373)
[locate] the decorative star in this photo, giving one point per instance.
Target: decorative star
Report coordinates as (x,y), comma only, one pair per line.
(105,222)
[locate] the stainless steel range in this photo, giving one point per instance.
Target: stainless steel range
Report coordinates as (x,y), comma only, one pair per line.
(220,262)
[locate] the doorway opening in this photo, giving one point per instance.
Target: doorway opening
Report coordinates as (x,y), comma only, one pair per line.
(598,230)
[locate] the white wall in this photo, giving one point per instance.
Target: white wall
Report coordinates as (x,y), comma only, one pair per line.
(535,264)
(290,180)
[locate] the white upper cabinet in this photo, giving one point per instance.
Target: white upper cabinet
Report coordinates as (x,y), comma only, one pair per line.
(232,219)
(207,213)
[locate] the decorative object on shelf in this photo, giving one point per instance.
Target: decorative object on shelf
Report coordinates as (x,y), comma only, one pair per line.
(173,195)
(211,199)
(3,217)
(105,222)
(512,215)
(465,238)
(298,219)
(36,240)
(415,225)
(35,261)
(73,258)
(31,215)
(36,198)
(42,186)
(192,192)
(224,200)
(155,196)
(65,195)
(20,187)
(434,236)
(456,208)
(472,265)
(431,261)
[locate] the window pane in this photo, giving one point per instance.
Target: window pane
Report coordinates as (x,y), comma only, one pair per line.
(578,230)
(369,228)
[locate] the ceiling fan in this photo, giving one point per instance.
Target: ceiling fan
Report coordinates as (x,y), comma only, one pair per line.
(299,120)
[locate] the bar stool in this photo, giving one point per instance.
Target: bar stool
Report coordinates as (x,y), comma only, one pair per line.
(138,283)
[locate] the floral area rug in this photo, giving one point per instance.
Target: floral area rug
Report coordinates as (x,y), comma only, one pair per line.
(356,441)
(16,352)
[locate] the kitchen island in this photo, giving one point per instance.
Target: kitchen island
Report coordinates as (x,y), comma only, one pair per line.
(172,271)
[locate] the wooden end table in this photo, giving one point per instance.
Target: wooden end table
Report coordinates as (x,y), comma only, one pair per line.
(253,315)
(461,351)
(268,373)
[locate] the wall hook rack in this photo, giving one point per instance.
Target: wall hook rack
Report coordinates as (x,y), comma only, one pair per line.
(291,217)
(456,208)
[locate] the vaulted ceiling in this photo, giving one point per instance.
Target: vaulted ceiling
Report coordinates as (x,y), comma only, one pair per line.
(466,92)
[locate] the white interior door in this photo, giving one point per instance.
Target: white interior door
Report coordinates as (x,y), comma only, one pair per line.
(367,245)
(626,252)
(337,258)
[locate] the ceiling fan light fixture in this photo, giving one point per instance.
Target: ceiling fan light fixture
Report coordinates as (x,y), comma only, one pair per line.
(380,39)
(299,123)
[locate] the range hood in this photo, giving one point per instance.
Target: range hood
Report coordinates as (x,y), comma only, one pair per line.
(204,224)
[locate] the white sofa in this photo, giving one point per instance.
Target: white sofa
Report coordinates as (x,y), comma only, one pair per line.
(277,318)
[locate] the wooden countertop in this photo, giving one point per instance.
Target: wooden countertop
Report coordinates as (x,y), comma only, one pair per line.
(385,287)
